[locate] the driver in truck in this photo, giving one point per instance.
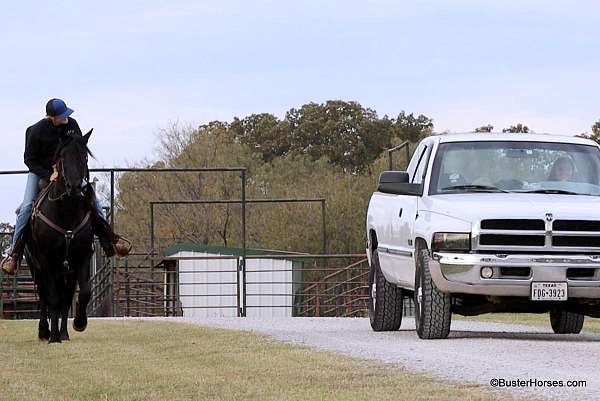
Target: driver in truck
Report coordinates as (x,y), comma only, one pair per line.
(562,169)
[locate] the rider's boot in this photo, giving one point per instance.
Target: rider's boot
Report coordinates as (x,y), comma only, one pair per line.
(111,243)
(11,264)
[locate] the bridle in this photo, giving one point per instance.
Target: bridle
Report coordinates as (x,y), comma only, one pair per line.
(62,175)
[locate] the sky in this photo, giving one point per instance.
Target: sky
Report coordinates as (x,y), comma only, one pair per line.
(130,68)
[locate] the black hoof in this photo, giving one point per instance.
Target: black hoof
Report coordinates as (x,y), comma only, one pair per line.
(64,337)
(43,334)
(80,324)
(54,340)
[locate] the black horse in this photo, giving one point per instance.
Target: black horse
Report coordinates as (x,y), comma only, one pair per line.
(59,248)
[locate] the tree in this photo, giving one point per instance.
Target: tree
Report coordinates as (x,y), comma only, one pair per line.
(6,231)
(517,129)
(264,133)
(595,135)
(347,134)
(333,150)
(485,128)
(411,128)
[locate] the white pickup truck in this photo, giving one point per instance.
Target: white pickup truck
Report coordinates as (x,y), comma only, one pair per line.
(483,223)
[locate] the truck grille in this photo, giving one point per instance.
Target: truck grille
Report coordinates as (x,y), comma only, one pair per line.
(512,224)
(576,225)
(537,235)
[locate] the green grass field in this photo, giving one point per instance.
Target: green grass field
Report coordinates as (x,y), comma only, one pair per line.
(128,360)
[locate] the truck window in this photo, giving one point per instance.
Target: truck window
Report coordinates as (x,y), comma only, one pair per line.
(422,166)
(414,161)
(516,166)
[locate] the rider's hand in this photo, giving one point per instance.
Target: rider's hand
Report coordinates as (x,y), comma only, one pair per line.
(54,175)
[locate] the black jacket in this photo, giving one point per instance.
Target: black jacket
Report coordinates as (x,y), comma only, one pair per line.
(42,141)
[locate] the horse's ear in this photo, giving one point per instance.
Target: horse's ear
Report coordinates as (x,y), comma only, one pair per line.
(86,137)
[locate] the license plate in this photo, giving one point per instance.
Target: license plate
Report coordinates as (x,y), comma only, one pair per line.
(548,291)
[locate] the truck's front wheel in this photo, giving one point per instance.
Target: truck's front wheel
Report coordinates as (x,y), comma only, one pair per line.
(432,307)
(385,299)
(564,322)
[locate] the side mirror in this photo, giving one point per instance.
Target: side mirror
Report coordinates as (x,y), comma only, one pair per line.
(396,182)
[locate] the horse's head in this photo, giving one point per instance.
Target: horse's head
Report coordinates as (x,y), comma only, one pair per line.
(72,158)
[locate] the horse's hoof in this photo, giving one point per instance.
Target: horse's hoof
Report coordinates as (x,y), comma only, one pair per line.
(80,324)
(64,337)
(44,334)
(54,341)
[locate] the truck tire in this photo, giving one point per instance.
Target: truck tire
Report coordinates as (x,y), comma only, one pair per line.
(564,322)
(385,299)
(433,312)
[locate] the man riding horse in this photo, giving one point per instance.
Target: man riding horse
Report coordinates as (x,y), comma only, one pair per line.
(42,141)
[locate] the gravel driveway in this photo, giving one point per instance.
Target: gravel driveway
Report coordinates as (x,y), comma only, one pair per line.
(475,352)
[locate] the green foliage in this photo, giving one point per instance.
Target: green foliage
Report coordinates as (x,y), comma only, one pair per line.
(347,134)
(595,135)
(517,129)
(263,133)
(485,128)
(596,129)
(333,150)
(411,128)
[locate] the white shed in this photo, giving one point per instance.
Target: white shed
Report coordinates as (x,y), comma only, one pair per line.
(208,283)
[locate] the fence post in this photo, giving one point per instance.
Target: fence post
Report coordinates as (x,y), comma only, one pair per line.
(237,277)
(127,283)
(244,242)
(112,224)
(324,227)
(318,301)
(1,295)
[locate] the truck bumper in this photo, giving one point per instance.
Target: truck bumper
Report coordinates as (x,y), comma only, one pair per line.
(461,273)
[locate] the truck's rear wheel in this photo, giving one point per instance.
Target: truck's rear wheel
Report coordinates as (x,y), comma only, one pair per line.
(385,299)
(564,322)
(433,312)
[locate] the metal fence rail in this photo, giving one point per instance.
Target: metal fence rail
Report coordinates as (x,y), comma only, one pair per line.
(213,285)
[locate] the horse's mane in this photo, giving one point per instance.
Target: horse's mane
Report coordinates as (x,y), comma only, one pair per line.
(78,140)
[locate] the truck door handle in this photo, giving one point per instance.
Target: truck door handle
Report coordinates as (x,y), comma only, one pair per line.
(400,213)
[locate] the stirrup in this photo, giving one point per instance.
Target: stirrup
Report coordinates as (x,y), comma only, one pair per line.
(128,246)
(7,260)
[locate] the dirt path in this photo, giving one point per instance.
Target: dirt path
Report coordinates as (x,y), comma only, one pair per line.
(475,352)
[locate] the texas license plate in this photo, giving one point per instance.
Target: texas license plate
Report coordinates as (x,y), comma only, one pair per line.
(548,291)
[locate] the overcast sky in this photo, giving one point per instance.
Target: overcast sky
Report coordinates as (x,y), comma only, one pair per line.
(129,68)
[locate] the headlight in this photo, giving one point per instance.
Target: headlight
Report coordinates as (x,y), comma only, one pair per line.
(451,242)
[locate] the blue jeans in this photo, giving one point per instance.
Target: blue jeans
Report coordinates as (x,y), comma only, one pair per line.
(26,208)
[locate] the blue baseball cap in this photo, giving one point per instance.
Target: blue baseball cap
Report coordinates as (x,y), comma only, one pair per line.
(57,108)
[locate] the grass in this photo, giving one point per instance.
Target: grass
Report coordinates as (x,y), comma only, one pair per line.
(536,319)
(131,360)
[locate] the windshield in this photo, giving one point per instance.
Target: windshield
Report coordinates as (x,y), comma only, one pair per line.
(516,166)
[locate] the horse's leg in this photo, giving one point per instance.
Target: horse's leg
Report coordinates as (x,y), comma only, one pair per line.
(85,293)
(54,306)
(66,305)
(43,328)
(64,318)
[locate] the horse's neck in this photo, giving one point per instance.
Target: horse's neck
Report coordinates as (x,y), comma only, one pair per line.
(57,188)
